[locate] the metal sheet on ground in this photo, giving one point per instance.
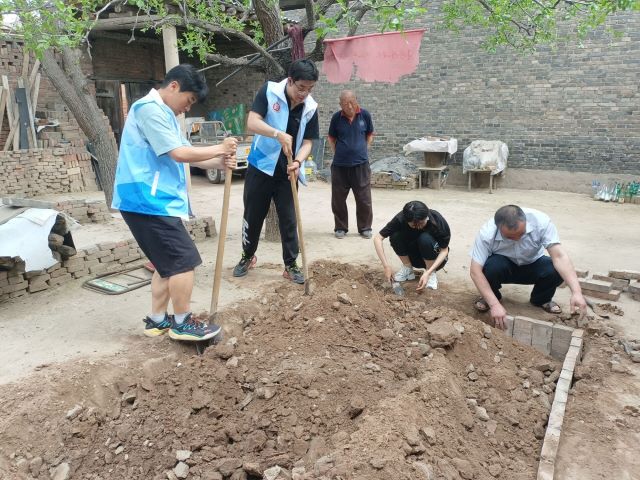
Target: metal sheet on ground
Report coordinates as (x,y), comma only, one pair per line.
(120,282)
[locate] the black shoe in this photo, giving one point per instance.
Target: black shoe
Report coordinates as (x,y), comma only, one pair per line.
(243,266)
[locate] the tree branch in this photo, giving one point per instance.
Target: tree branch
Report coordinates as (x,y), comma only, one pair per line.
(156,21)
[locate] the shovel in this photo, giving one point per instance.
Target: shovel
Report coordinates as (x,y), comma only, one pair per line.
(397,288)
(215,294)
(296,205)
(599,312)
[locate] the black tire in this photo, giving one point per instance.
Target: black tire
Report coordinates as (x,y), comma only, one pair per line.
(214,175)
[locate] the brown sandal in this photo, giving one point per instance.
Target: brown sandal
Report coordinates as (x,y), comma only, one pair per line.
(481,305)
(551,307)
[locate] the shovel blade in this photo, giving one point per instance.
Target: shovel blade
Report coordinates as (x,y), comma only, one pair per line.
(397,289)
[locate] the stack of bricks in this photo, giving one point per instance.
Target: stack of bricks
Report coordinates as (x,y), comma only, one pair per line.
(390,180)
(95,260)
(200,227)
(599,286)
(82,211)
(629,281)
(43,171)
(610,287)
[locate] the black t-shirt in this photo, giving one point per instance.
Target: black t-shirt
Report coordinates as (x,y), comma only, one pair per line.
(311,132)
(437,227)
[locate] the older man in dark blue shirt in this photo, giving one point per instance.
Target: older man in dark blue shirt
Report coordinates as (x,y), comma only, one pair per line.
(350,134)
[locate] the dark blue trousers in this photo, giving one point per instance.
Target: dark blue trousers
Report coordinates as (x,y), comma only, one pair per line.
(499,270)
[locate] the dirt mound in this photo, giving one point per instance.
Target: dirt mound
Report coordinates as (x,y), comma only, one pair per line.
(351,383)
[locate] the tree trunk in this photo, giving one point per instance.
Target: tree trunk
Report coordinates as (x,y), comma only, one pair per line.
(268,13)
(73,87)
(271,225)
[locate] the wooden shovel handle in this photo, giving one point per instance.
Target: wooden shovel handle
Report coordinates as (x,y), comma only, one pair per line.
(222,235)
(296,204)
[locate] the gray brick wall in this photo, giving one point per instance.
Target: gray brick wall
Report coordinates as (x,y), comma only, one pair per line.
(572,109)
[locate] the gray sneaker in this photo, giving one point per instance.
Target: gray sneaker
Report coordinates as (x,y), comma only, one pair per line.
(366,234)
(243,266)
(292,272)
(340,234)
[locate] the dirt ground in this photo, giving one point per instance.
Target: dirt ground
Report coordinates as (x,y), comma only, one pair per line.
(354,389)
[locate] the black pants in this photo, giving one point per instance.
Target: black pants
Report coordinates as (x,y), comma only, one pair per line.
(418,246)
(259,190)
(358,179)
(165,241)
(499,270)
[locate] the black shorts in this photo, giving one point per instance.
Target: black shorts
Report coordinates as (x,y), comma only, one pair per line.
(165,241)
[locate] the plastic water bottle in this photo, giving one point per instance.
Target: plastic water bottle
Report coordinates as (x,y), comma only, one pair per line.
(310,169)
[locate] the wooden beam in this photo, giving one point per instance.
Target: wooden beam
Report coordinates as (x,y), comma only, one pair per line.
(4,93)
(35,92)
(11,139)
(12,116)
(34,72)
(5,85)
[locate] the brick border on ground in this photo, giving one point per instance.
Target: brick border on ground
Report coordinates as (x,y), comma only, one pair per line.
(108,257)
(551,442)
(562,343)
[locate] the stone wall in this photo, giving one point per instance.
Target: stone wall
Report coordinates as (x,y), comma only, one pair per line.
(94,260)
(574,109)
(48,170)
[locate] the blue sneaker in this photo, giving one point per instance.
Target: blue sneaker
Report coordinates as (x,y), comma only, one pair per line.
(192,330)
(153,329)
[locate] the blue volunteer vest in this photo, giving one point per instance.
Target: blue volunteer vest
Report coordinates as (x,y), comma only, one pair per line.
(266,150)
(146,183)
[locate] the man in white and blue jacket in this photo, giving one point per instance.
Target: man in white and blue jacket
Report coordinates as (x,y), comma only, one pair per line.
(284,119)
(150,191)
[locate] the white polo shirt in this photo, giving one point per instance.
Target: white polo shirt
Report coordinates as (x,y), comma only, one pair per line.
(540,234)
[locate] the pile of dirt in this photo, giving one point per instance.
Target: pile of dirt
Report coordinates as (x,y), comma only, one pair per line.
(351,383)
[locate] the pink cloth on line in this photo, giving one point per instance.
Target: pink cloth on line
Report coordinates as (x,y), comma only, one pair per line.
(381,57)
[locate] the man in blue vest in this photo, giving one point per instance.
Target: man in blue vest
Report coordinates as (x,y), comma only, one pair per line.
(284,119)
(350,135)
(151,193)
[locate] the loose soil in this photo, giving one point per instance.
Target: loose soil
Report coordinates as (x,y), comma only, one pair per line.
(68,346)
(350,383)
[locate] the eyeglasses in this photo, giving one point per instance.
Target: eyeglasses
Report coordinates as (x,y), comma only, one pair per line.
(302,89)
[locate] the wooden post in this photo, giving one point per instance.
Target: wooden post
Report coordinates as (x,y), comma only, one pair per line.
(35,90)
(172,59)
(12,116)
(3,102)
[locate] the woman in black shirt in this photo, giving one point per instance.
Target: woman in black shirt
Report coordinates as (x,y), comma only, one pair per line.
(420,237)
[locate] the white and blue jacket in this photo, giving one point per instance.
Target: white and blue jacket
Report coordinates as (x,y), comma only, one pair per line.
(265,151)
(148,182)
